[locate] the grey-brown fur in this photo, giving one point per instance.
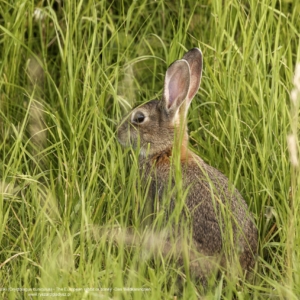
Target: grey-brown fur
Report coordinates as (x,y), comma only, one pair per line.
(210,198)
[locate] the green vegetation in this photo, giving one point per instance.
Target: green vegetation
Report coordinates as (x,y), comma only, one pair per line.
(69,70)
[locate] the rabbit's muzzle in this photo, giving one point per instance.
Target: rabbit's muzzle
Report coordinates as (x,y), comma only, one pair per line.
(127,134)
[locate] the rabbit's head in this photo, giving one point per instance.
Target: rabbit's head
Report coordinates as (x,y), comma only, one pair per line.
(154,124)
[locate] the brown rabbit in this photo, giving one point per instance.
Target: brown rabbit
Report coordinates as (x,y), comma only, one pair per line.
(210,199)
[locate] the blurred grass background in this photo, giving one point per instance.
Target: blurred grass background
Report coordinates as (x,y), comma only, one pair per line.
(69,70)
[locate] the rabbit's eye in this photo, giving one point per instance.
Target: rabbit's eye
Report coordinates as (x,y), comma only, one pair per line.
(138,118)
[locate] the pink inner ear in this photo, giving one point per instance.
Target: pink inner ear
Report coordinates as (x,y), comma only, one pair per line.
(176,87)
(172,87)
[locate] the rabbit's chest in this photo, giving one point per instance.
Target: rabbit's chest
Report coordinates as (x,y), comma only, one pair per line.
(155,174)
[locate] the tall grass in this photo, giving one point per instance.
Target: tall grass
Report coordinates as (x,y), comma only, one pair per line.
(70,70)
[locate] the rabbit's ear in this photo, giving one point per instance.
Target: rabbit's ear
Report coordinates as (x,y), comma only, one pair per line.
(176,86)
(194,59)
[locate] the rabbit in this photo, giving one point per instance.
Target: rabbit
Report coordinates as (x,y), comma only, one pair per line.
(154,126)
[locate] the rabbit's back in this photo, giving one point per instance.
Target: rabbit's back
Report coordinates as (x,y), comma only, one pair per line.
(219,210)
(216,208)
